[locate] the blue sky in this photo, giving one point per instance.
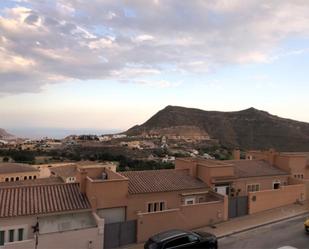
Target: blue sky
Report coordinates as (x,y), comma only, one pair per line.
(108,66)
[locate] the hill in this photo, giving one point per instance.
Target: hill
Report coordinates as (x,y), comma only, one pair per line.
(5,135)
(246,129)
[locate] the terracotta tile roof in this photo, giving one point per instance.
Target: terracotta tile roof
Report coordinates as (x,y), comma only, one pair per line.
(41,199)
(253,168)
(151,181)
(6,168)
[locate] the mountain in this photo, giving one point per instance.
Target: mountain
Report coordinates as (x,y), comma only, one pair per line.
(5,135)
(246,129)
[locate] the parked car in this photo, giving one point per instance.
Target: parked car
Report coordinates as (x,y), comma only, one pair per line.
(182,239)
(306,223)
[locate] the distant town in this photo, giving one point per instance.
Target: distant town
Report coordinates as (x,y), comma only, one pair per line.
(119,190)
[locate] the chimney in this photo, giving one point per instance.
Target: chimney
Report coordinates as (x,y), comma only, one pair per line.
(236,154)
(187,163)
(271,156)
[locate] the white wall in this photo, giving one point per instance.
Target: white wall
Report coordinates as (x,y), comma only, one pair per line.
(66,222)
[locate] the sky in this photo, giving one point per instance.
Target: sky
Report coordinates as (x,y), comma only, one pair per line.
(106,65)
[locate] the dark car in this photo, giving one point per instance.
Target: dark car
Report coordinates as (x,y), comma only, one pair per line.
(182,239)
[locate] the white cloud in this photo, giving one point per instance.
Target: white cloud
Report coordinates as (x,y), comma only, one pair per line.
(45,42)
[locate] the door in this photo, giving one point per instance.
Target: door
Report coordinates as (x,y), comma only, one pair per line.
(238,206)
(119,234)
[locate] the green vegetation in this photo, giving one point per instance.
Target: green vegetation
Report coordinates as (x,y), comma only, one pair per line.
(90,154)
(19,156)
(218,152)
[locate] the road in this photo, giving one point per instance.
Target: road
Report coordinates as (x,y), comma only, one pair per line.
(285,233)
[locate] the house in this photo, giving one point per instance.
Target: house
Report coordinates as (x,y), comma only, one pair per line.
(257,184)
(48,216)
(235,177)
(152,200)
(38,181)
(10,172)
(293,162)
(296,163)
(67,171)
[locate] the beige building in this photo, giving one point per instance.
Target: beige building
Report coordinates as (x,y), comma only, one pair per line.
(295,163)
(251,182)
(68,172)
(11,172)
(51,216)
(172,197)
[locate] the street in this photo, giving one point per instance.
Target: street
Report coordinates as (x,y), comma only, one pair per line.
(286,233)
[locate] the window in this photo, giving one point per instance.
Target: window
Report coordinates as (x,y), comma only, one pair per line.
(192,238)
(276,185)
(2,236)
(253,187)
(156,206)
(30,177)
(17,178)
(162,206)
(34,177)
(177,242)
(20,234)
(190,201)
(11,235)
(25,177)
(7,179)
(150,207)
(12,179)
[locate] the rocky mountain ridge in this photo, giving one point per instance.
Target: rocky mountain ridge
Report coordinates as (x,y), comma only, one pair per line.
(246,129)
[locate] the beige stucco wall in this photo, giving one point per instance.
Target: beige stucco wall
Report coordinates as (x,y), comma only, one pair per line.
(185,217)
(266,183)
(294,164)
(75,238)
(139,202)
(107,193)
(207,174)
(183,163)
(19,222)
(269,199)
(20,175)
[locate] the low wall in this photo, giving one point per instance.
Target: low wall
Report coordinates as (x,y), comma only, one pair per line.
(268,199)
(305,182)
(91,238)
(185,217)
(79,239)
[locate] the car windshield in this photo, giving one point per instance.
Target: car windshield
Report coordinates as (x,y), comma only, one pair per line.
(151,245)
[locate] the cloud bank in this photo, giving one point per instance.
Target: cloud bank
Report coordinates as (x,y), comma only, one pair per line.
(47,42)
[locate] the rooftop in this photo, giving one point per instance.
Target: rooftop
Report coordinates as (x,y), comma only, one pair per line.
(254,168)
(64,171)
(151,181)
(41,199)
(38,181)
(7,168)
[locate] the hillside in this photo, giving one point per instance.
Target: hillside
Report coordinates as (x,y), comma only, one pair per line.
(5,135)
(246,129)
